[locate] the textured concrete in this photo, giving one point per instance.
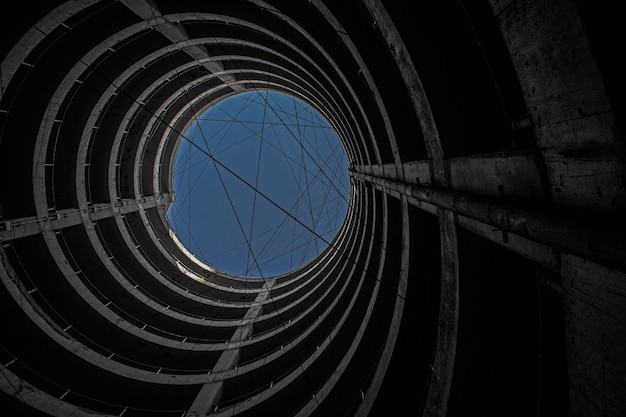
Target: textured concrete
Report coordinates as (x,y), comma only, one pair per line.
(567,102)
(150,13)
(57,220)
(482,254)
(576,131)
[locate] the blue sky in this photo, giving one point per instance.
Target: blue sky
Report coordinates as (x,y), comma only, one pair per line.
(261,185)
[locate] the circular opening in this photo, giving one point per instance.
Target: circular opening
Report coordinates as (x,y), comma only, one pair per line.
(261,185)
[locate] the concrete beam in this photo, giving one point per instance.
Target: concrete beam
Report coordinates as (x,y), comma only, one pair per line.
(589,237)
(595,307)
(206,400)
(501,174)
(210,394)
(57,220)
(567,102)
(149,12)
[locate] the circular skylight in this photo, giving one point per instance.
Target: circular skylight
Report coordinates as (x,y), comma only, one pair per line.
(261,185)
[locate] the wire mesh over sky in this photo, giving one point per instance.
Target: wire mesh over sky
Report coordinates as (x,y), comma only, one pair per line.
(261,185)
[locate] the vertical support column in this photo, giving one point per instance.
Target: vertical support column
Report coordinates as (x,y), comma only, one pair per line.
(57,220)
(211,393)
(567,101)
(576,131)
(148,11)
(595,328)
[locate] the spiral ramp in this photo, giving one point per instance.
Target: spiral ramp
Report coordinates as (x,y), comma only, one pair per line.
(480,265)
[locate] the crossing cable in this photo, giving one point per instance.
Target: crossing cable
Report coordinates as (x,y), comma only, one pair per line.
(262,195)
(365,271)
(336,249)
(184,137)
(195,118)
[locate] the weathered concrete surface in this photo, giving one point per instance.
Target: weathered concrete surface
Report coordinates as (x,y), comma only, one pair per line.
(19,228)
(587,236)
(576,132)
(566,100)
(16,387)
(209,395)
(149,11)
(445,355)
(596,337)
(508,174)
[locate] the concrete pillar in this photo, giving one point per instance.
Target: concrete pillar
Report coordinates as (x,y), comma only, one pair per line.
(595,311)
(502,174)
(587,236)
(148,11)
(577,134)
(566,100)
(211,393)
(61,219)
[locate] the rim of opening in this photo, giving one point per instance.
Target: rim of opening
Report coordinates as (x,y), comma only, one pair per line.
(215,268)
